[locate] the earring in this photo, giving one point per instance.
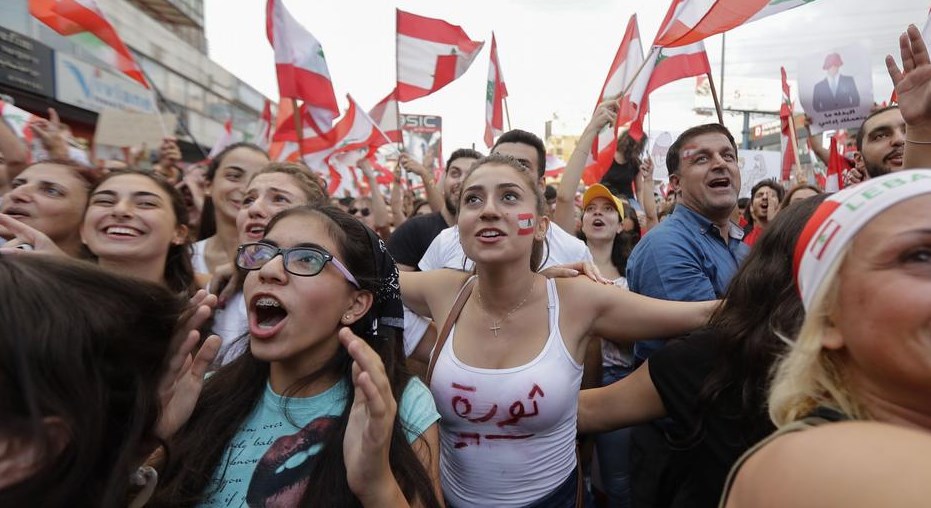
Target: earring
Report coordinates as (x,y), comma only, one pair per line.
(347,318)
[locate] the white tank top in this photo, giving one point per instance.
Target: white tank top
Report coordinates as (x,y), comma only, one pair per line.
(507,436)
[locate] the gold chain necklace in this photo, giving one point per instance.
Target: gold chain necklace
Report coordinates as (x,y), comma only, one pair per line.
(496,324)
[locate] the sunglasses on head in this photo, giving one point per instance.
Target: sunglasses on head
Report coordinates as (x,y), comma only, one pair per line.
(364,211)
(300,261)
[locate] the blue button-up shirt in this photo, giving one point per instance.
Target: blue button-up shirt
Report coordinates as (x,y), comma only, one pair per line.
(684,258)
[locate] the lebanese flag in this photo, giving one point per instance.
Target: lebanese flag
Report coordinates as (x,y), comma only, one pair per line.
(785,116)
(82,21)
(227,138)
(837,166)
(301,67)
(354,130)
(431,54)
(20,122)
(663,66)
(695,20)
(385,115)
(628,59)
(263,132)
(495,93)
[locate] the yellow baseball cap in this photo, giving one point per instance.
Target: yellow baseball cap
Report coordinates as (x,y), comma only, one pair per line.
(600,191)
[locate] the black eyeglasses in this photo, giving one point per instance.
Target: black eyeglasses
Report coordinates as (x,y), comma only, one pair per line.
(364,211)
(300,261)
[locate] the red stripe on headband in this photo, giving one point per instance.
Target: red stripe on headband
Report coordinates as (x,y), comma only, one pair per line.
(818,219)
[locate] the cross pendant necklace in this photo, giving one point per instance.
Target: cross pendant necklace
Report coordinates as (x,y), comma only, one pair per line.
(496,324)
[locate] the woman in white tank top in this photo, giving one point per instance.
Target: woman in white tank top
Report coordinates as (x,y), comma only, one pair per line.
(506,381)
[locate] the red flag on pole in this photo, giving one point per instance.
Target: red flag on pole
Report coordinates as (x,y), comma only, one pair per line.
(431,53)
(785,116)
(696,20)
(837,166)
(627,61)
(85,23)
(495,94)
(385,115)
(263,131)
(301,67)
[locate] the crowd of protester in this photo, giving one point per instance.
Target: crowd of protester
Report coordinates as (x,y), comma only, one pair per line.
(227,334)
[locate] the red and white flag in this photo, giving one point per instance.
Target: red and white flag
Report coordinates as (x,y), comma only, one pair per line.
(628,59)
(786,116)
(495,93)
(385,115)
(227,138)
(263,131)
(353,131)
(696,20)
(431,54)
(837,166)
(663,66)
(301,67)
(83,22)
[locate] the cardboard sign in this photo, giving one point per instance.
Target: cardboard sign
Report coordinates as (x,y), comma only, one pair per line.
(130,129)
(835,87)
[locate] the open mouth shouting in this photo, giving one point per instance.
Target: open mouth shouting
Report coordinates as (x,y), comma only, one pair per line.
(894,158)
(720,183)
(254,231)
(267,317)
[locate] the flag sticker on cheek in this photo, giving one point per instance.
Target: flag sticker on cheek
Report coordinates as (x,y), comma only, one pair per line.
(525,224)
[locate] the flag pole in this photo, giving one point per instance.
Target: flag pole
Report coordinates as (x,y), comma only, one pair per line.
(722,66)
(298,128)
(793,138)
(507,115)
(397,76)
(714,95)
(636,74)
(181,123)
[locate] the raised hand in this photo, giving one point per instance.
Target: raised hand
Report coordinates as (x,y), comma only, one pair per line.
(913,82)
(371,420)
(24,238)
(183,380)
(605,114)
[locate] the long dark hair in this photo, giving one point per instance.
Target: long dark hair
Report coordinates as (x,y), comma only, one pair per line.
(88,347)
(179,273)
(230,395)
(762,310)
(208,217)
(623,243)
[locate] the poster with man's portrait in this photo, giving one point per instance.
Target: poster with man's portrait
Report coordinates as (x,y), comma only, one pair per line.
(835,87)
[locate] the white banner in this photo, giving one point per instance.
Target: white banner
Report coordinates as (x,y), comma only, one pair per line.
(835,87)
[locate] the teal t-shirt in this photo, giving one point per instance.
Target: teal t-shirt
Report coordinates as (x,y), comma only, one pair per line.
(269,459)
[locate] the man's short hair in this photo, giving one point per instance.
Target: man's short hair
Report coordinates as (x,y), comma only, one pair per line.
(463,153)
(527,138)
(672,157)
(862,131)
(772,184)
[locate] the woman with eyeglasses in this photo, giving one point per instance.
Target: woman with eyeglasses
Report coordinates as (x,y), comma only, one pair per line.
(312,413)
(276,187)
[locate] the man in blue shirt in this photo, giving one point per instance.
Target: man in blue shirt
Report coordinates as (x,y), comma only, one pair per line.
(691,256)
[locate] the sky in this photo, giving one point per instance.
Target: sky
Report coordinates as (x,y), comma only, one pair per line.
(554,54)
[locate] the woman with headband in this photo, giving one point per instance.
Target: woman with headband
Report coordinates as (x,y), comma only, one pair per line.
(863,268)
(860,369)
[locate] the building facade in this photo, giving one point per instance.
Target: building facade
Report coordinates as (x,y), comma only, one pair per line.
(41,69)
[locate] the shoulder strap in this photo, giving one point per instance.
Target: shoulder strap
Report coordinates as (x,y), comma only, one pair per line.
(798,425)
(451,318)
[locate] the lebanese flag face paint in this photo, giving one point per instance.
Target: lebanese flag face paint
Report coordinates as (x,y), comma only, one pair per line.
(525,224)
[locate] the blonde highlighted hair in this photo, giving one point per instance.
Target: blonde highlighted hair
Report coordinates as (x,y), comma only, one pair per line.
(810,376)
